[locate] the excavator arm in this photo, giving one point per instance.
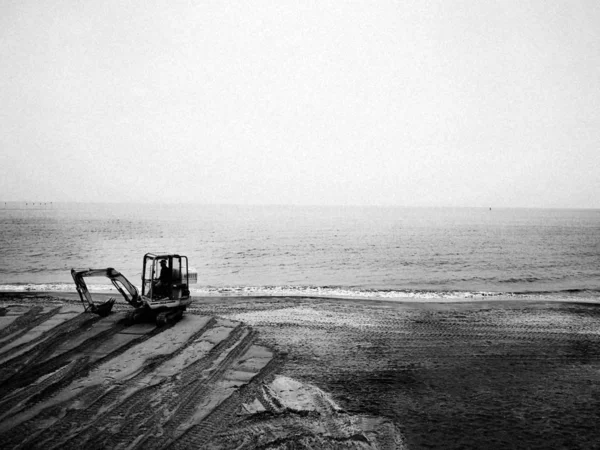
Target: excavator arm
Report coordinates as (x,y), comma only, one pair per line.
(122,284)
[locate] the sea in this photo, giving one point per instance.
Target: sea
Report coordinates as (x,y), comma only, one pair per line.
(417,254)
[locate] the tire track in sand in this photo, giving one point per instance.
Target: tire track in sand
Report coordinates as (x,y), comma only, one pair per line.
(41,407)
(21,370)
(98,408)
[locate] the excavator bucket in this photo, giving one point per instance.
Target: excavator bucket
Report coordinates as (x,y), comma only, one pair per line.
(104,309)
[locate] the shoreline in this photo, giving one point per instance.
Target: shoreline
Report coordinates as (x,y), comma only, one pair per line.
(478,300)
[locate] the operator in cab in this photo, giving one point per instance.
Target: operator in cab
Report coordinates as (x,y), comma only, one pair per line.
(164,279)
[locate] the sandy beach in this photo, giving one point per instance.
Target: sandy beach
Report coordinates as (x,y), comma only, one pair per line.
(292,372)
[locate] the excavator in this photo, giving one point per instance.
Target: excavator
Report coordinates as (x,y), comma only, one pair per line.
(165,289)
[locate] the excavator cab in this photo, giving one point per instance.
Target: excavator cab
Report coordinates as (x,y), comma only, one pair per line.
(165,277)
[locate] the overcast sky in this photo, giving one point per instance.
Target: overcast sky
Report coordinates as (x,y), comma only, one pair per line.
(425,103)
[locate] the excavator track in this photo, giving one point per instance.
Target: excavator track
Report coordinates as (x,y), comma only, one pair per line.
(168,317)
(138,315)
(161,319)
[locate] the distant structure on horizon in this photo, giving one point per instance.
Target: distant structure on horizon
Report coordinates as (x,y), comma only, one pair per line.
(28,205)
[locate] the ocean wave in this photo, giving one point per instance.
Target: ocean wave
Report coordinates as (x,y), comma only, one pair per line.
(332,291)
(515,280)
(383,294)
(323,291)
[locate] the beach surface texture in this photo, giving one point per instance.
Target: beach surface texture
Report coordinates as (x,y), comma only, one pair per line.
(295,372)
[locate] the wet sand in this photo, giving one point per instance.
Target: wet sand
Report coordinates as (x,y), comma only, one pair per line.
(302,373)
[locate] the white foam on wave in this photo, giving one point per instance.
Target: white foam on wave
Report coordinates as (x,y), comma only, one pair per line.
(53,287)
(341,292)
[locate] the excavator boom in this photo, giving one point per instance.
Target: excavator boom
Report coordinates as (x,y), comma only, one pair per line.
(122,284)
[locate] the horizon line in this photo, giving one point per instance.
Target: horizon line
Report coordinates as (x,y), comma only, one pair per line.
(287,205)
